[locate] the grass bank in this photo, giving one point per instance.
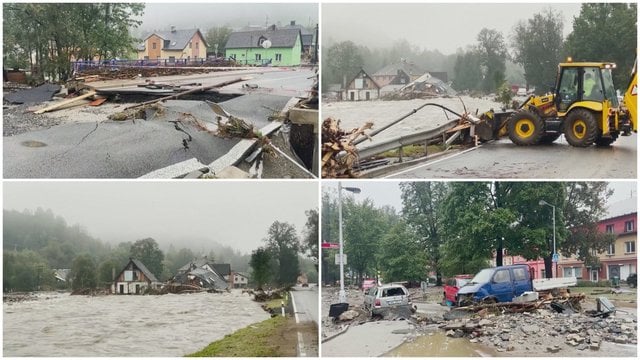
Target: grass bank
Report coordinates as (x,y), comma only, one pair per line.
(271,338)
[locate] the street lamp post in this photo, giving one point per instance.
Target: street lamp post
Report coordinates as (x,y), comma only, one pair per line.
(555,254)
(342,296)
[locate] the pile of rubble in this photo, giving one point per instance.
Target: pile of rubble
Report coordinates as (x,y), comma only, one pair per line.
(544,328)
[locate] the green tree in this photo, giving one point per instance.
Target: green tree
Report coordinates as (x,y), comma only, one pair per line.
(493,55)
(25,270)
(106,272)
(311,233)
(466,72)
(585,205)
(147,251)
(363,227)
(49,35)
(261,264)
(340,61)
(401,256)
(217,38)
(282,242)
(606,32)
(83,273)
(421,202)
(538,44)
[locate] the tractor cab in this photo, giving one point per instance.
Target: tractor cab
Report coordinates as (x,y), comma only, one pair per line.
(583,82)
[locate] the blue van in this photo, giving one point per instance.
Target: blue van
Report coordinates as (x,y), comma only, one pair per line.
(499,284)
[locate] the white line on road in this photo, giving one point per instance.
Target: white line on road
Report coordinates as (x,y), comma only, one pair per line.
(301,351)
(431,163)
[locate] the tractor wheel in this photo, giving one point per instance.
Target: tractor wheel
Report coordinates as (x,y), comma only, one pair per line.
(605,141)
(581,128)
(525,128)
(549,138)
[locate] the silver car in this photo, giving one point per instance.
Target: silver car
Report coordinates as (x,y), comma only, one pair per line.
(380,299)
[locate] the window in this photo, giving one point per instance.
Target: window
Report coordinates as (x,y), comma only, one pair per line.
(278,57)
(153,46)
(609,229)
(568,88)
(630,247)
(567,272)
(501,276)
(572,271)
(519,274)
(172,59)
(628,226)
(258,57)
(393,292)
(591,84)
(611,249)
(197,43)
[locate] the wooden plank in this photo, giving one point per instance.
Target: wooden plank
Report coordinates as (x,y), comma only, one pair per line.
(97,102)
(60,104)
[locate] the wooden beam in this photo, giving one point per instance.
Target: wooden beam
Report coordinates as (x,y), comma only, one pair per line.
(60,104)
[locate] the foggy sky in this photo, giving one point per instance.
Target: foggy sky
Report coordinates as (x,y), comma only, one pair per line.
(237,214)
(160,16)
(388,192)
(445,27)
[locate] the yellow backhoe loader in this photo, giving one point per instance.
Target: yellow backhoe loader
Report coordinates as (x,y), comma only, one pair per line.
(583,106)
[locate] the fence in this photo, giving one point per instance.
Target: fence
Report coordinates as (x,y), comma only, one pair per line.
(171,62)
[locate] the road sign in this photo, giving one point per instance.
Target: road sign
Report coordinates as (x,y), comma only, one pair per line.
(326,245)
(338,259)
(555,258)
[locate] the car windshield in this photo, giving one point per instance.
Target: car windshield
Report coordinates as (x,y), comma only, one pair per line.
(392,292)
(461,282)
(484,276)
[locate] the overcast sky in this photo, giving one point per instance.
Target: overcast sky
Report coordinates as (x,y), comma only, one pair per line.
(388,192)
(237,214)
(445,27)
(160,16)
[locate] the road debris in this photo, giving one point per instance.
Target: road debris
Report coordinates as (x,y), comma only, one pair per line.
(335,141)
(63,103)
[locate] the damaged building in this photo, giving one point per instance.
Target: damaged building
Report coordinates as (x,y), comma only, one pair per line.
(135,278)
(198,275)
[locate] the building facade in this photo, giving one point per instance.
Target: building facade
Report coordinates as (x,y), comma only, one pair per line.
(272,46)
(173,45)
(361,87)
(135,278)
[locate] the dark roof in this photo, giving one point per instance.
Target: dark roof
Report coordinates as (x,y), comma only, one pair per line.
(303,30)
(222,269)
(367,75)
(391,70)
(178,39)
(280,38)
(142,268)
(307,39)
(210,279)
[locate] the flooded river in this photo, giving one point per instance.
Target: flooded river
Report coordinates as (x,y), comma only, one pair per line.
(166,325)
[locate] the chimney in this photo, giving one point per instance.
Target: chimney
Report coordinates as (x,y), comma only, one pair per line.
(293,22)
(173,28)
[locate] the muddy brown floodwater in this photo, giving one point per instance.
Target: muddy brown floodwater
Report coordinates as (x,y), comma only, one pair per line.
(166,325)
(438,344)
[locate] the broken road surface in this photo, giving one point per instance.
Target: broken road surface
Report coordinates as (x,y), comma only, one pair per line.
(175,139)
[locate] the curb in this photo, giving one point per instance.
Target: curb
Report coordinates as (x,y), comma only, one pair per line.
(336,334)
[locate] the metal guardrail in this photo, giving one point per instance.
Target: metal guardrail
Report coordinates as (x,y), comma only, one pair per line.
(404,140)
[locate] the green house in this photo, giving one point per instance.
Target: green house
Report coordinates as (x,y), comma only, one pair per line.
(277,47)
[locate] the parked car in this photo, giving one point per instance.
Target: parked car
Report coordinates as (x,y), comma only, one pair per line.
(451,287)
(380,299)
(368,284)
(521,92)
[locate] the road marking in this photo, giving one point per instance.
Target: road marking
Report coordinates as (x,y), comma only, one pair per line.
(301,351)
(432,162)
(295,312)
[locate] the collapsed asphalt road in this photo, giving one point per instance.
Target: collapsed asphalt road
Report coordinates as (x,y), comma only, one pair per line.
(132,148)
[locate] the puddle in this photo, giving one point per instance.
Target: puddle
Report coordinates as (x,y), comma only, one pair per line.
(438,344)
(33,143)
